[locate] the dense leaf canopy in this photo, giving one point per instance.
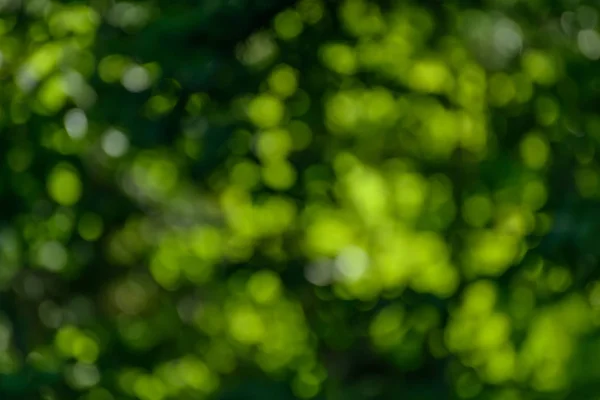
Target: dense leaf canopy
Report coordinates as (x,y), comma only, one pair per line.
(351,199)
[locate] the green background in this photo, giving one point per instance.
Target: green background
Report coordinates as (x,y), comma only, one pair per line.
(346,199)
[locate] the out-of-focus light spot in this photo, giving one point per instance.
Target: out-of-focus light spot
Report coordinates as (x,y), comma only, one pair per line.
(9,5)
(130,297)
(245,325)
(154,173)
(76,123)
(61,222)
(78,19)
(524,87)
(79,90)
(64,185)
(90,226)
(328,235)
(502,89)
(52,255)
(429,76)
(342,112)
(26,79)
(540,67)
(352,263)
(559,279)
(480,297)
(361,18)
(44,60)
(259,49)
(340,58)
(440,134)
(280,175)
(186,309)
(587,17)
(264,286)
(85,349)
(594,295)
(470,87)
(126,378)
(288,24)
(273,145)
(111,67)
(283,80)
(514,221)
(535,195)
(50,314)
(493,332)
(543,224)
(83,376)
(129,16)
(277,214)
(507,38)
(500,366)
(468,385)
(535,151)
(245,174)
(380,107)
(387,328)
(266,111)
(159,105)
(311,11)
(587,181)
(477,211)
(85,63)
(588,41)
(491,253)
(301,135)
(195,127)
(306,385)
(45,359)
(19,158)
(220,357)
(410,194)
(196,103)
(52,95)
(196,374)
(164,273)
(547,110)
(367,190)
(33,287)
(207,243)
(319,273)
(136,79)
(115,143)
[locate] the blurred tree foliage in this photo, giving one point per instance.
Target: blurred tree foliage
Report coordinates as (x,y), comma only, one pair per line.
(316,199)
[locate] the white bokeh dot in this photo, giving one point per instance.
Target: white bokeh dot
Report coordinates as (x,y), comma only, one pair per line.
(588,41)
(136,79)
(114,143)
(76,123)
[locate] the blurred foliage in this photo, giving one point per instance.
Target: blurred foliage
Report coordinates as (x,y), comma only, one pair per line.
(299,199)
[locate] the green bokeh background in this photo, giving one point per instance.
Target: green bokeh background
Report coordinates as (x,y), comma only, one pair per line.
(351,199)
